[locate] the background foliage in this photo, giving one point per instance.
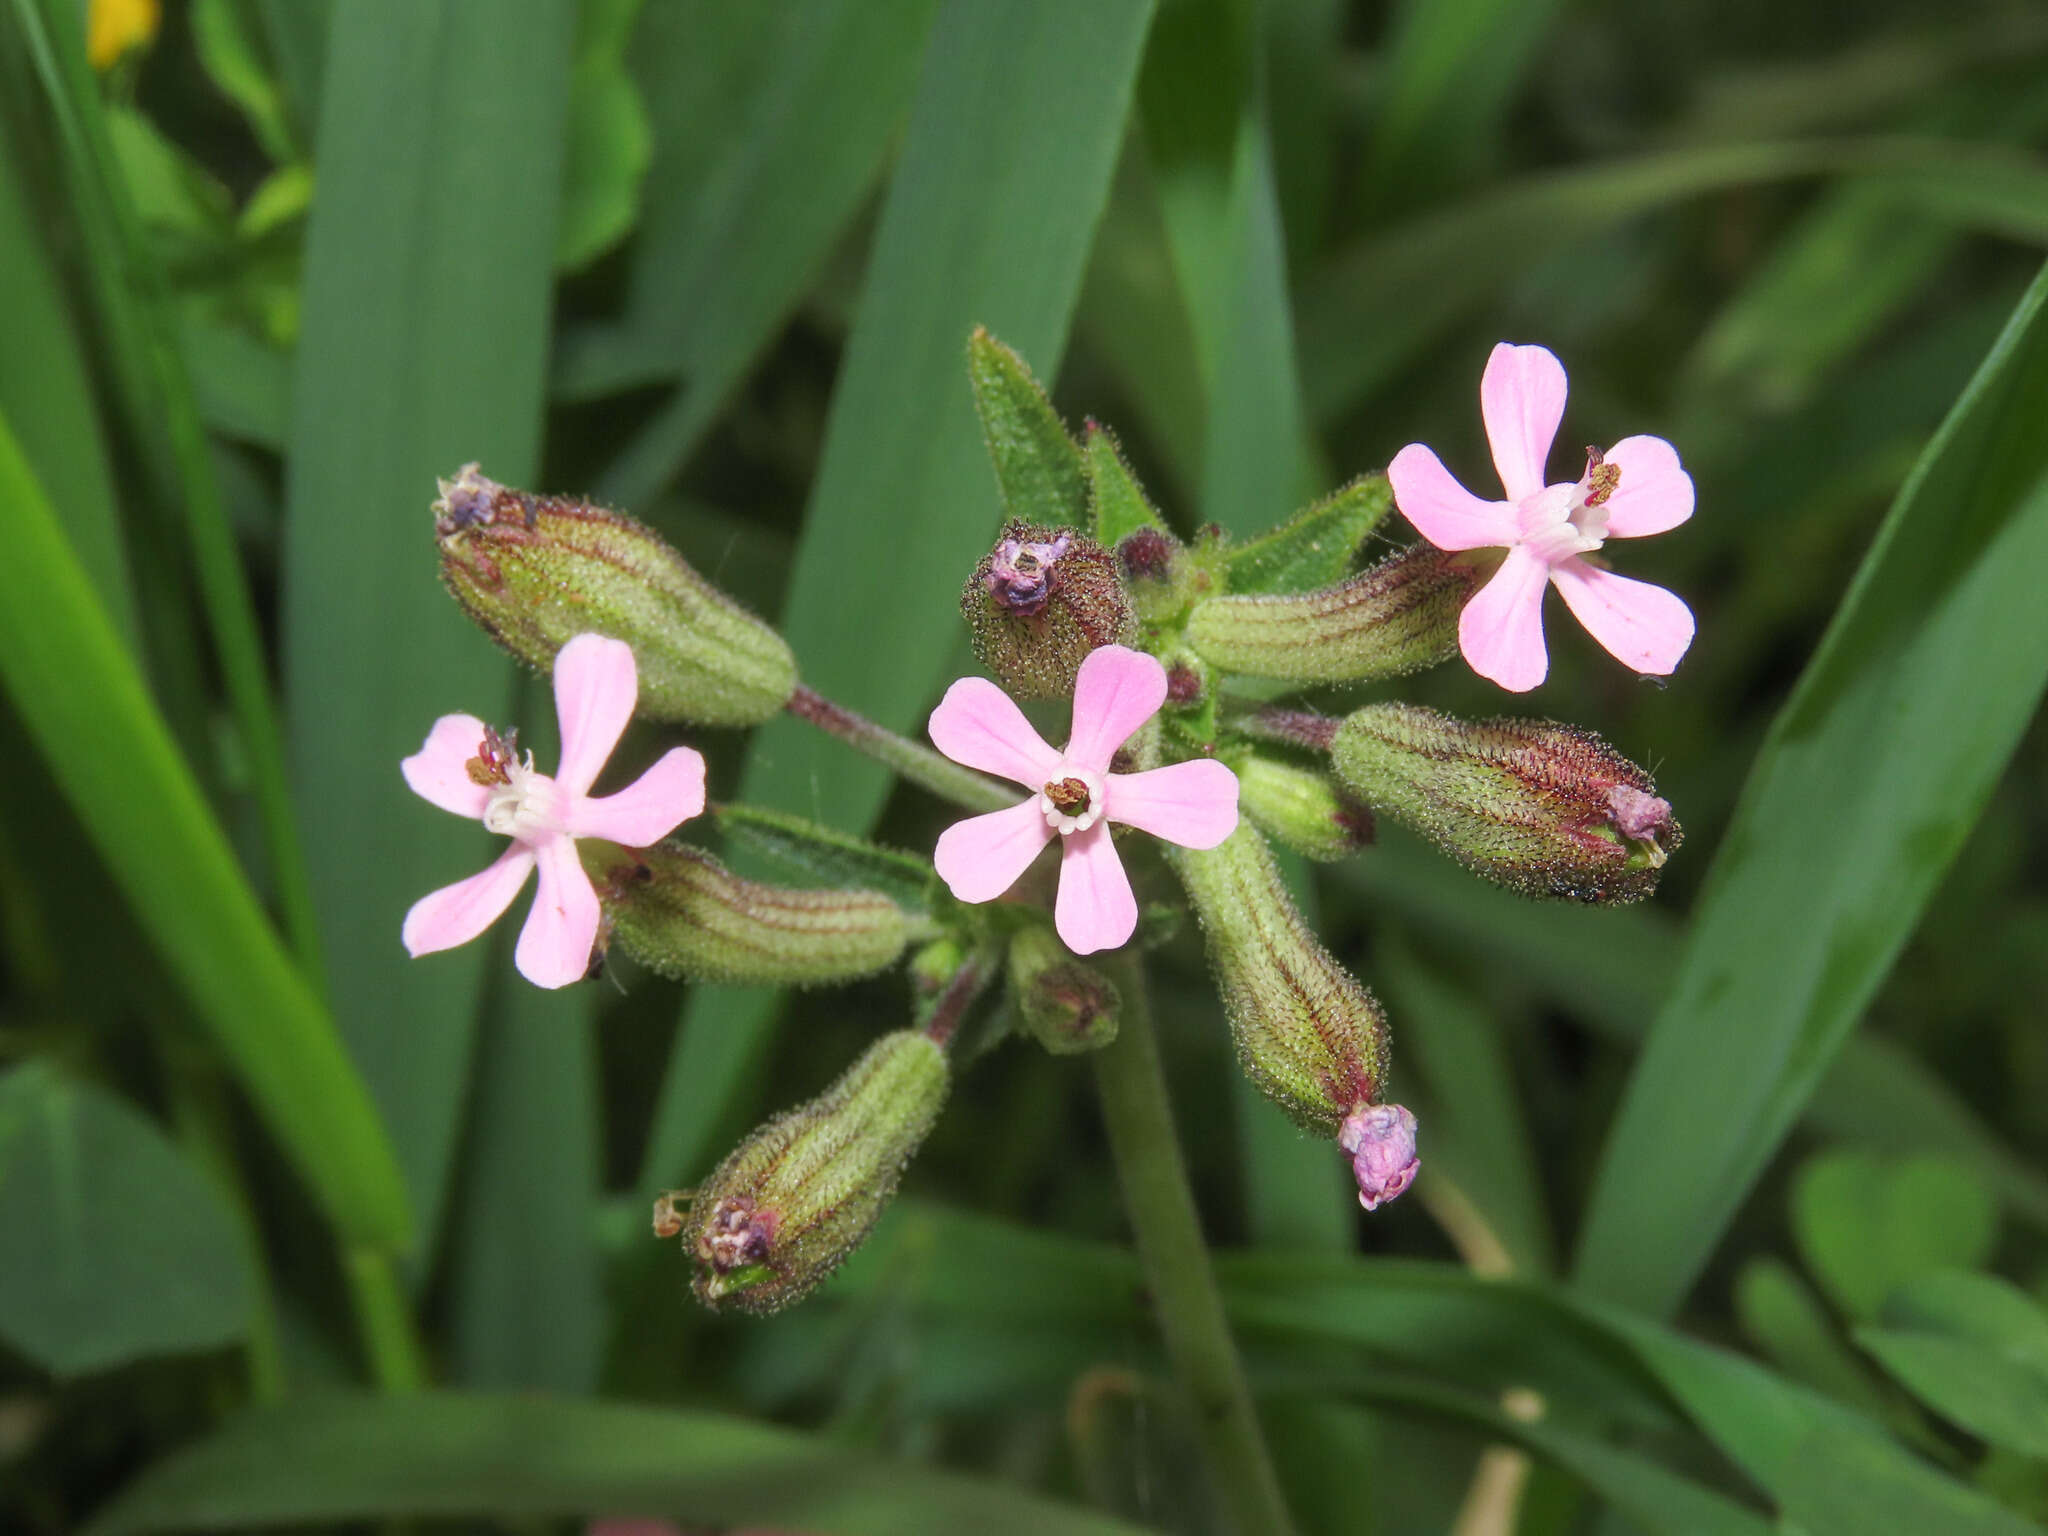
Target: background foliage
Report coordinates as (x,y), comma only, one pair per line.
(1733,1205)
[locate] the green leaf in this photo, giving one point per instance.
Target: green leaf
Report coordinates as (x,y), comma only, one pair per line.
(415,356)
(1866,1225)
(1317,546)
(1117,504)
(46,395)
(85,705)
(1038,468)
(771,127)
(1838,1481)
(1870,779)
(836,858)
(343,1458)
(610,141)
(1974,1349)
(1792,1329)
(90,1278)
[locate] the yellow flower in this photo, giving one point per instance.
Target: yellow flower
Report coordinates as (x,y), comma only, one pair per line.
(114,27)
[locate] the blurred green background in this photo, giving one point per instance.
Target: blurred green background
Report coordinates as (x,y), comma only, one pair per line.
(1757,1168)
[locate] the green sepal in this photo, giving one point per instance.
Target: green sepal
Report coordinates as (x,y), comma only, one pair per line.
(837,858)
(1038,468)
(680,912)
(1063,1002)
(1117,502)
(1317,546)
(1302,808)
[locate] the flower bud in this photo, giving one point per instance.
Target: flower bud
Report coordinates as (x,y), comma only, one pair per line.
(1307,1032)
(1067,1005)
(677,910)
(1542,808)
(796,1197)
(1302,808)
(1039,602)
(1381,1141)
(536,571)
(1394,617)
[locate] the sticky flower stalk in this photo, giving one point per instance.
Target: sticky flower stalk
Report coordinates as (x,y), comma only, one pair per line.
(909,759)
(1179,1279)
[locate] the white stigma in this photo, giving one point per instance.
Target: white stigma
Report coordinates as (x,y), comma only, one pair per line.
(1081,819)
(528,807)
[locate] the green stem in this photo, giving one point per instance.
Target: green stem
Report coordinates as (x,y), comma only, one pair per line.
(1139,1117)
(385,1320)
(920,765)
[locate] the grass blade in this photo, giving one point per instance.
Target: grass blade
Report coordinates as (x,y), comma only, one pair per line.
(415,356)
(1870,778)
(84,702)
(1019,112)
(352,1458)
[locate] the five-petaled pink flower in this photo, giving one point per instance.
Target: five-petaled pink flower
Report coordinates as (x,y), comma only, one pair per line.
(467,768)
(1633,489)
(1075,795)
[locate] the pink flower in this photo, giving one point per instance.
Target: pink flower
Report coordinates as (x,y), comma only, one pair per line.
(1381,1141)
(467,768)
(1075,795)
(1633,489)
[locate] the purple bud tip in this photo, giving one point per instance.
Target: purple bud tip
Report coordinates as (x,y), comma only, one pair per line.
(469,499)
(1183,685)
(1636,814)
(1020,576)
(1381,1141)
(1146,553)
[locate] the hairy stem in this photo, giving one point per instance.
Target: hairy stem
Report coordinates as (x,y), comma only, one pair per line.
(1132,1088)
(920,765)
(1296,727)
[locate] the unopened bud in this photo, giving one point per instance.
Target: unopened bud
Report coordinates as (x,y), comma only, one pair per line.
(796,1197)
(1394,617)
(1039,602)
(1543,808)
(536,571)
(1381,1141)
(1303,808)
(1067,1005)
(1308,1033)
(677,910)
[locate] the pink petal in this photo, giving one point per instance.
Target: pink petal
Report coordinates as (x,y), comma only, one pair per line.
(554,946)
(439,771)
(1654,494)
(457,913)
(648,809)
(1645,627)
(1116,691)
(981,857)
(596,686)
(1193,804)
(1501,629)
(1443,511)
(1521,398)
(1096,908)
(977,724)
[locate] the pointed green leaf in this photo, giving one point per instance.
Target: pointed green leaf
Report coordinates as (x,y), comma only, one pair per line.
(1974,1348)
(1038,468)
(1317,546)
(1838,1481)
(1117,504)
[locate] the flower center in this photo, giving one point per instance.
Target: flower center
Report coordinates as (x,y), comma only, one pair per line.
(1071,801)
(1561,521)
(527,806)
(1020,577)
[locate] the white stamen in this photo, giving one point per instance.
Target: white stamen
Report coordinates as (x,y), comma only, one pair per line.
(529,807)
(1058,819)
